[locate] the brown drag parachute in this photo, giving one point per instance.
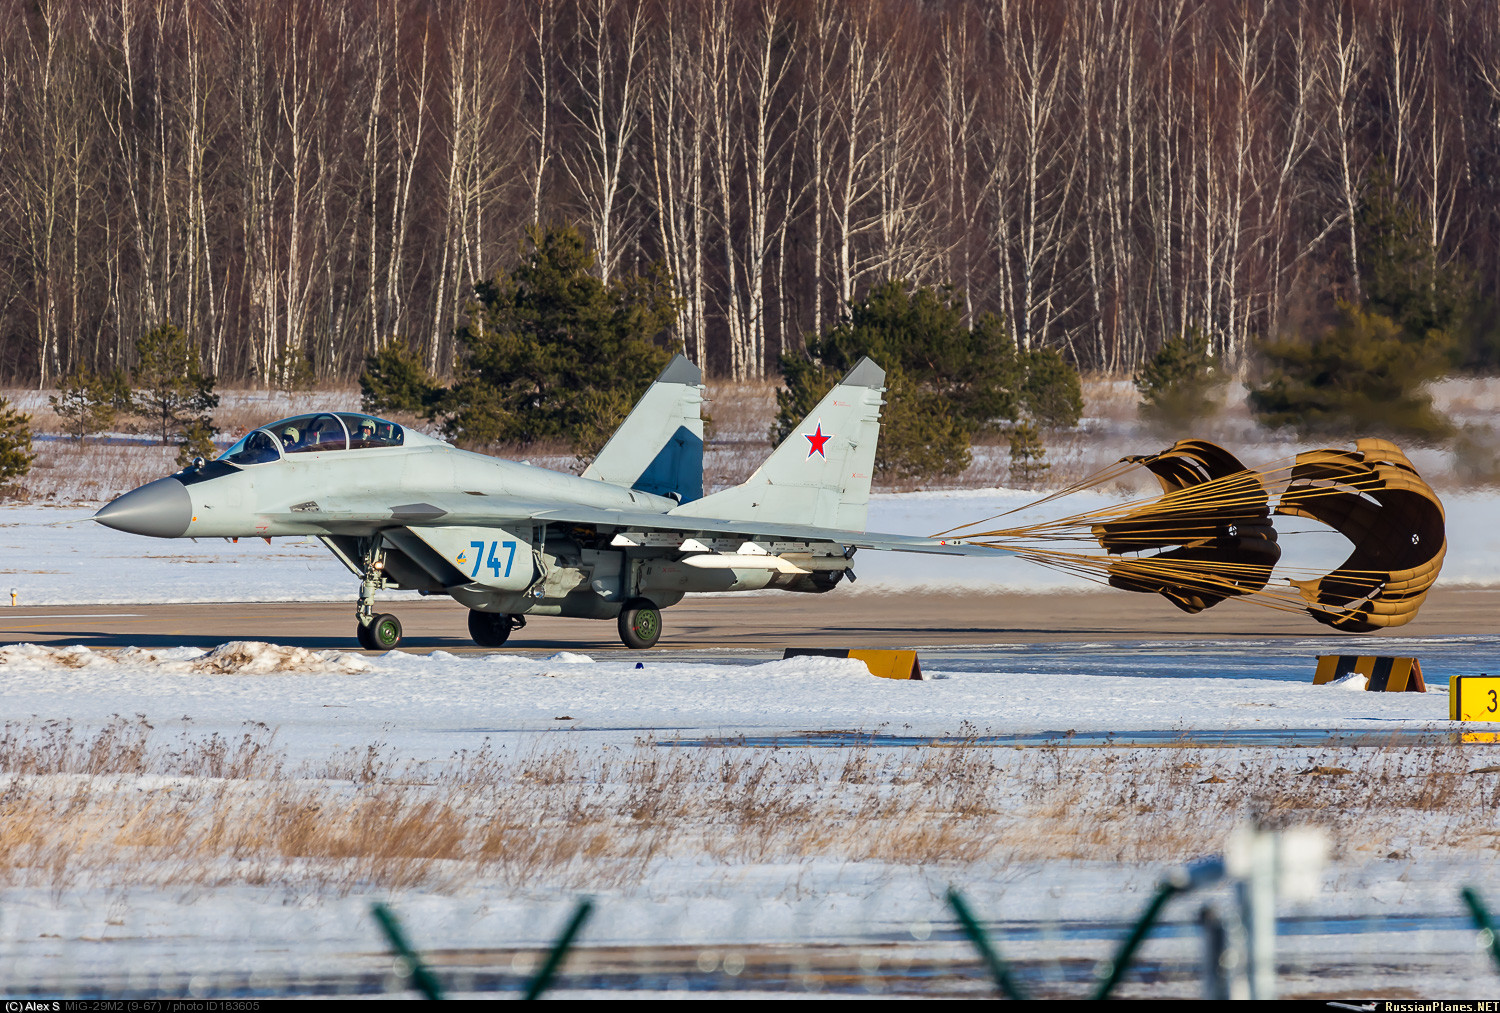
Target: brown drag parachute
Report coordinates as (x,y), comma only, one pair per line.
(1375,498)
(1213,521)
(1211,534)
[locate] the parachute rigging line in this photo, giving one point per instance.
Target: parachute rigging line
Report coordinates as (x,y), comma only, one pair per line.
(1211,534)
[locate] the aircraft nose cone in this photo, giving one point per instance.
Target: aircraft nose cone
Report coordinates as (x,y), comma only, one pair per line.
(161,508)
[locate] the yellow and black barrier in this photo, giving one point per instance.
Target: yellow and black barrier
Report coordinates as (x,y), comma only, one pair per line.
(1474,698)
(886,664)
(1385,674)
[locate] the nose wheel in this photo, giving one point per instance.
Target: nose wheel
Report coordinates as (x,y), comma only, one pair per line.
(382,633)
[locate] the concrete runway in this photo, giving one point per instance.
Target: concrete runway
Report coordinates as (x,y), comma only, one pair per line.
(747,622)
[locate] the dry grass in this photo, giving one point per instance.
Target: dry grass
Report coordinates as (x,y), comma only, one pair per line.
(109,808)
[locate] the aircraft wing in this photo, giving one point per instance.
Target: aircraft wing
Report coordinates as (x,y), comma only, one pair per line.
(357,515)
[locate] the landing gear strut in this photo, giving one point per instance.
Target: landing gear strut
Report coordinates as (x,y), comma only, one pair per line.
(375,632)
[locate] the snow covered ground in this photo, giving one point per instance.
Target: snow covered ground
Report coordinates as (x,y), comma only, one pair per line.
(1063,846)
(1061,851)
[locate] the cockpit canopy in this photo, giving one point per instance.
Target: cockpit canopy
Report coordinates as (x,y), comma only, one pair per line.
(319,432)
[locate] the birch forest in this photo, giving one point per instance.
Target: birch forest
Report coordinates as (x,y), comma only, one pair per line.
(315,178)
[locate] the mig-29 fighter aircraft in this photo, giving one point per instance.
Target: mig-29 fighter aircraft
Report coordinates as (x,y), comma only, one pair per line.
(624,540)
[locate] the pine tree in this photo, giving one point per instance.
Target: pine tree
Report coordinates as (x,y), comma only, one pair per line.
(1363,376)
(171,389)
(550,351)
(1181,383)
(1367,373)
(1028,454)
(85,402)
(1404,276)
(1052,393)
(396,381)
(293,370)
(944,382)
(197,442)
(16,454)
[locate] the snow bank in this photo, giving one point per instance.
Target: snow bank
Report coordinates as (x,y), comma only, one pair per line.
(238,657)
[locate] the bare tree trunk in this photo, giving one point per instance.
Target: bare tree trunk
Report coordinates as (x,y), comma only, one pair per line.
(676,120)
(1345,63)
(608,75)
(541,24)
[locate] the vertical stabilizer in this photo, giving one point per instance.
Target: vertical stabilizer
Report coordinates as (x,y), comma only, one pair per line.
(820,474)
(659,447)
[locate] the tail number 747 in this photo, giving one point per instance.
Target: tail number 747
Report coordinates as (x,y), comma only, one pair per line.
(492,558)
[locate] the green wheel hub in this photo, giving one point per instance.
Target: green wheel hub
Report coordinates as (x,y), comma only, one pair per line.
(647,624)
(387,632)
(640,624)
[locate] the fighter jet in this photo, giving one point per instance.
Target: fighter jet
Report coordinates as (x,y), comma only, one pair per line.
(624,540)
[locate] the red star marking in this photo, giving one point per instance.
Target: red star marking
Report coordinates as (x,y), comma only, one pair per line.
(817,440)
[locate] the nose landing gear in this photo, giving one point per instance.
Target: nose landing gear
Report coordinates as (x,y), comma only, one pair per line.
(380,632)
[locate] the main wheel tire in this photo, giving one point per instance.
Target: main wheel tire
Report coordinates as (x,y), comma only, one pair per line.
(384,632)
(490,629)
(366,639)
(640,624)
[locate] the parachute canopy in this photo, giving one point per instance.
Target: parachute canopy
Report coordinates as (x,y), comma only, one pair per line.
(1375,498)
(1211,534)
(1213,521)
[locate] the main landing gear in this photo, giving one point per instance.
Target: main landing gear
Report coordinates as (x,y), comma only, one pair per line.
(492,629)
(640,624)
(376,632)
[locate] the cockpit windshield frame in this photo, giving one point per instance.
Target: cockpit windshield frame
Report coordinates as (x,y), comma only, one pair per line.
(249,451)
(314,432)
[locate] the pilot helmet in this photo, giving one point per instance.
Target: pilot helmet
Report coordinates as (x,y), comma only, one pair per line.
(367,426)
(289,435)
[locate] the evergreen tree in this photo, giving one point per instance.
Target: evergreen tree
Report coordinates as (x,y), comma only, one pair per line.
(395,380)
(1404,278)
(550,351)
(170,387)
(944,382)
(85,402)
(1052,392)
(1367,373)
(1028,454)
(1363,376)
(1181,383)
(293,370)
(15,442)
(197,441)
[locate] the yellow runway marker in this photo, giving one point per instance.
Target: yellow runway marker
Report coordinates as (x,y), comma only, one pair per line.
(1474,698)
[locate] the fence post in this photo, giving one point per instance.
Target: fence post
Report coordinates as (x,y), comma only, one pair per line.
(998,968)
(417,973)
(560,949)
(1482,921)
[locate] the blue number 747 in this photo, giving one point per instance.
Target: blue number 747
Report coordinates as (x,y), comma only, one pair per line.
(492,560)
